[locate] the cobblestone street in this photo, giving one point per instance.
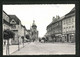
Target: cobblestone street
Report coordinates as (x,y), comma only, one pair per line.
(47,49)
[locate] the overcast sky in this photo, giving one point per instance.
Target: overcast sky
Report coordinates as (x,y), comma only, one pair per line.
(41,13)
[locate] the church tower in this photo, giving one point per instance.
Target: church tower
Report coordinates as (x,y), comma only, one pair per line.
(34,32)
(34,25)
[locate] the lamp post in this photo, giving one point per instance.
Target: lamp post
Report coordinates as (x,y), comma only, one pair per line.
(23,40)
(18,44)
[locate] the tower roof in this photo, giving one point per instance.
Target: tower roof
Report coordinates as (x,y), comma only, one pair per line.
(33,24)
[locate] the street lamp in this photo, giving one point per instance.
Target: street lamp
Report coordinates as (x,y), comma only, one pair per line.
(23,40)
(18,44)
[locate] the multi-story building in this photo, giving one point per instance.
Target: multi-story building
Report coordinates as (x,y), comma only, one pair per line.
(68,27)
(62,29)
(23,32)
(54,29)
(34,32)
(16,28)
(13,23)
(6,24)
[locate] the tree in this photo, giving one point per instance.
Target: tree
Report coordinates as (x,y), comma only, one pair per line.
(7,35)
(27,37)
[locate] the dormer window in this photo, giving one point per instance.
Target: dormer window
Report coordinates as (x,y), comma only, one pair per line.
(13,21)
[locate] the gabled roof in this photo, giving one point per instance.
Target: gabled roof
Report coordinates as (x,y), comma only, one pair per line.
(15,18)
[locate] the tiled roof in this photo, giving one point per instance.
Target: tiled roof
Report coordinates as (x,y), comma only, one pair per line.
(15,18)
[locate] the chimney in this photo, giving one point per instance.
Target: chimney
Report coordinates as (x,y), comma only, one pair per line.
(57,17)
(53,19)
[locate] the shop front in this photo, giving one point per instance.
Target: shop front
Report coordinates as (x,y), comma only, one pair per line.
(70,37)
(58,37)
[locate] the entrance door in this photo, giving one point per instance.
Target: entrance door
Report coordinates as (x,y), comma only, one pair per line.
(67,37)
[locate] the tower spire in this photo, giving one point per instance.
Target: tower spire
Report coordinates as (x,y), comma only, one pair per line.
(33,22)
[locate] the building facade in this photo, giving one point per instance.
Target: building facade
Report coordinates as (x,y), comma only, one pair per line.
(16,28)
(54,30)
(23,32)
(62,29)
(68,27)
(6,25)
(13,23)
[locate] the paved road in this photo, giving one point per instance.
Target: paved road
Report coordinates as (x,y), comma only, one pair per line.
(46,49)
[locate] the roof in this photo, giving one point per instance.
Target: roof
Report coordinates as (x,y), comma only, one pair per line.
(55,21)
(4,21)
(15,18)
(72,11)
(33,24)
(28,30)
(65,16)
(22,25)
(5,13)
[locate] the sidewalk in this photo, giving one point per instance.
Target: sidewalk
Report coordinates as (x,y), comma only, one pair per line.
(13,48)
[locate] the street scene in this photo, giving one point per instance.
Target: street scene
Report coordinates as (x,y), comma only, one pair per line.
(46,49)
(39,29)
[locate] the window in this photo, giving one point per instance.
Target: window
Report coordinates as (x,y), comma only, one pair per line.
(69,20)
(72,26)
(14,26)
(64,27)
(72,19)
(64,22)
(12,21)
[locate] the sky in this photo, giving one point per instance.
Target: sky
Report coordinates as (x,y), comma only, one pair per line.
(41,13)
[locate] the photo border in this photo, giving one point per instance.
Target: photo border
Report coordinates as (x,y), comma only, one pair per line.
(77,23)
